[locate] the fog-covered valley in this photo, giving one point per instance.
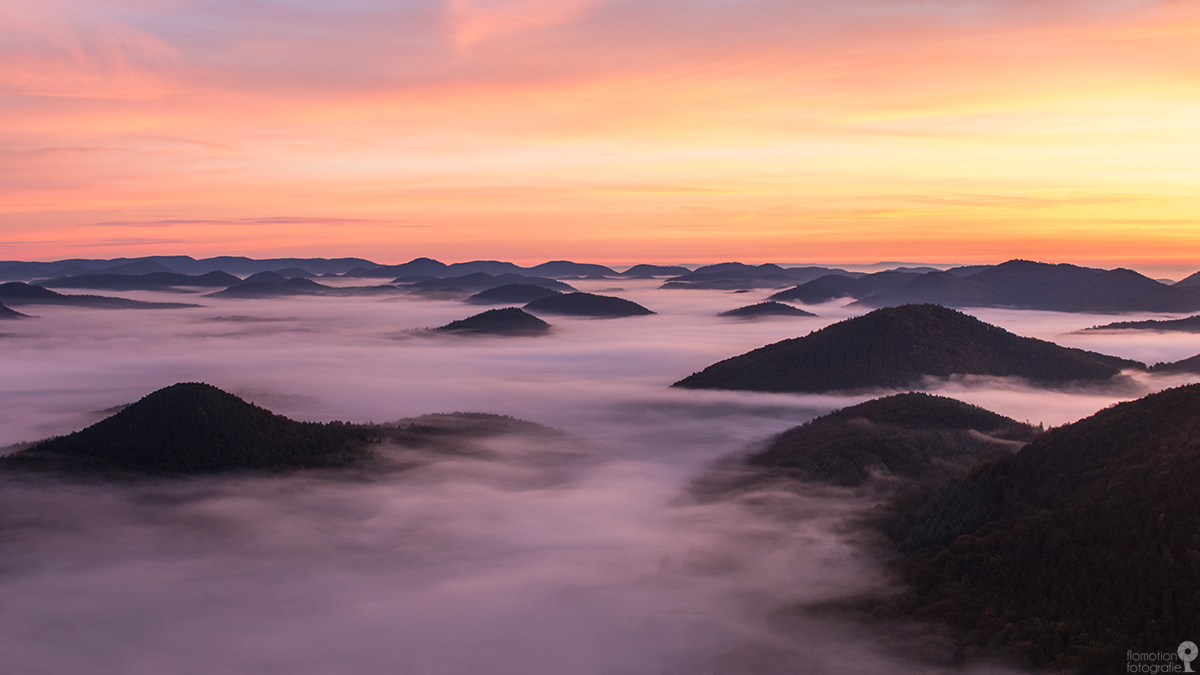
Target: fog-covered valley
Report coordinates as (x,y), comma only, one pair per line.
(579,550)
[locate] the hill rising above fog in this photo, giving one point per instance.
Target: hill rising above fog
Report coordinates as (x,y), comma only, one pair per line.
(1022,284)
(507,321)
(762,309)
(587,304)
(899,346)
(913,436)
(1081,546)
(511,293)
(194,428)
(1017,284)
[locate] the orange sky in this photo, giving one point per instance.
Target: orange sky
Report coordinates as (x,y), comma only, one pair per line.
(642,130)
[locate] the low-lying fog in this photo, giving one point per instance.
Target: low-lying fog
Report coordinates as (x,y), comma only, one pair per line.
(517,561)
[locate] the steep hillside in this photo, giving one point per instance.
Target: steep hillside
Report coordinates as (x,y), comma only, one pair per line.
(1081,546)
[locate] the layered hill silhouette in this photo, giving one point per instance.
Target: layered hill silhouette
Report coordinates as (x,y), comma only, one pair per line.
(8,313)
(587,304)
(645,271)
(915,437)
(258,289)
(1023,284)
(898,347)
(20,293)
(511,294)
(833,286)
(194,428)
(1081,546)
(480,281)
(265,285)
(738,276)
(764,309)
(507,321)
(142,282)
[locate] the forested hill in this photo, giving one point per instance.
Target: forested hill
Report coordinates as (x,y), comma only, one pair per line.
(897,347)
(1081,546)
(194,428)
(913,436)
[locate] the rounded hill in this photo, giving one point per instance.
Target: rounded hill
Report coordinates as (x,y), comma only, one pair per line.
(898,347)
(587,304)
(913,436)
(767,308)
(511,293)
(195,428)
(507,321)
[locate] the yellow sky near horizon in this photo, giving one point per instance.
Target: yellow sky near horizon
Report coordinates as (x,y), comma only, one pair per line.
(863,130)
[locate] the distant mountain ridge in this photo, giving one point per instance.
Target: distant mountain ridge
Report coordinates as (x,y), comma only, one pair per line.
(1023,284)
(1017,284)
(19,293)
(898,347)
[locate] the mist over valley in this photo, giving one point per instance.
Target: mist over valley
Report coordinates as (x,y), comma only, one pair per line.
(543,499)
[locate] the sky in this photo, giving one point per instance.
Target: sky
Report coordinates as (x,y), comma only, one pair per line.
(952,131)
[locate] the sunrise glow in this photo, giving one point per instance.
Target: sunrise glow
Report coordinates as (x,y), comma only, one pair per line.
(945,130)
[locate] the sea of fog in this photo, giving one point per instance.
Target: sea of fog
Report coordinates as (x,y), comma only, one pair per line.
(576,552)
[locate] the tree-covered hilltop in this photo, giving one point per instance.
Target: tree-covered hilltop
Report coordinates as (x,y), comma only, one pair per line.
(511,294)
(768,308)
(897,347)
(1081,546)
(915,436)
(506,321)
(193,428)
(587,304)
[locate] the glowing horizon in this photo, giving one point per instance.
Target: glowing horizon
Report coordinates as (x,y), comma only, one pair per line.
(616,132)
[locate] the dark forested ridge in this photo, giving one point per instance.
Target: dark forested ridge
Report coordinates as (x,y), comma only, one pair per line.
(768,308)
(134,282)
(506,321)
(1025,284)
(1189,324)
(587,304)
(511,293)
(1081,546)
(8,313)
(915,436)
(193,428)
(897,347)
